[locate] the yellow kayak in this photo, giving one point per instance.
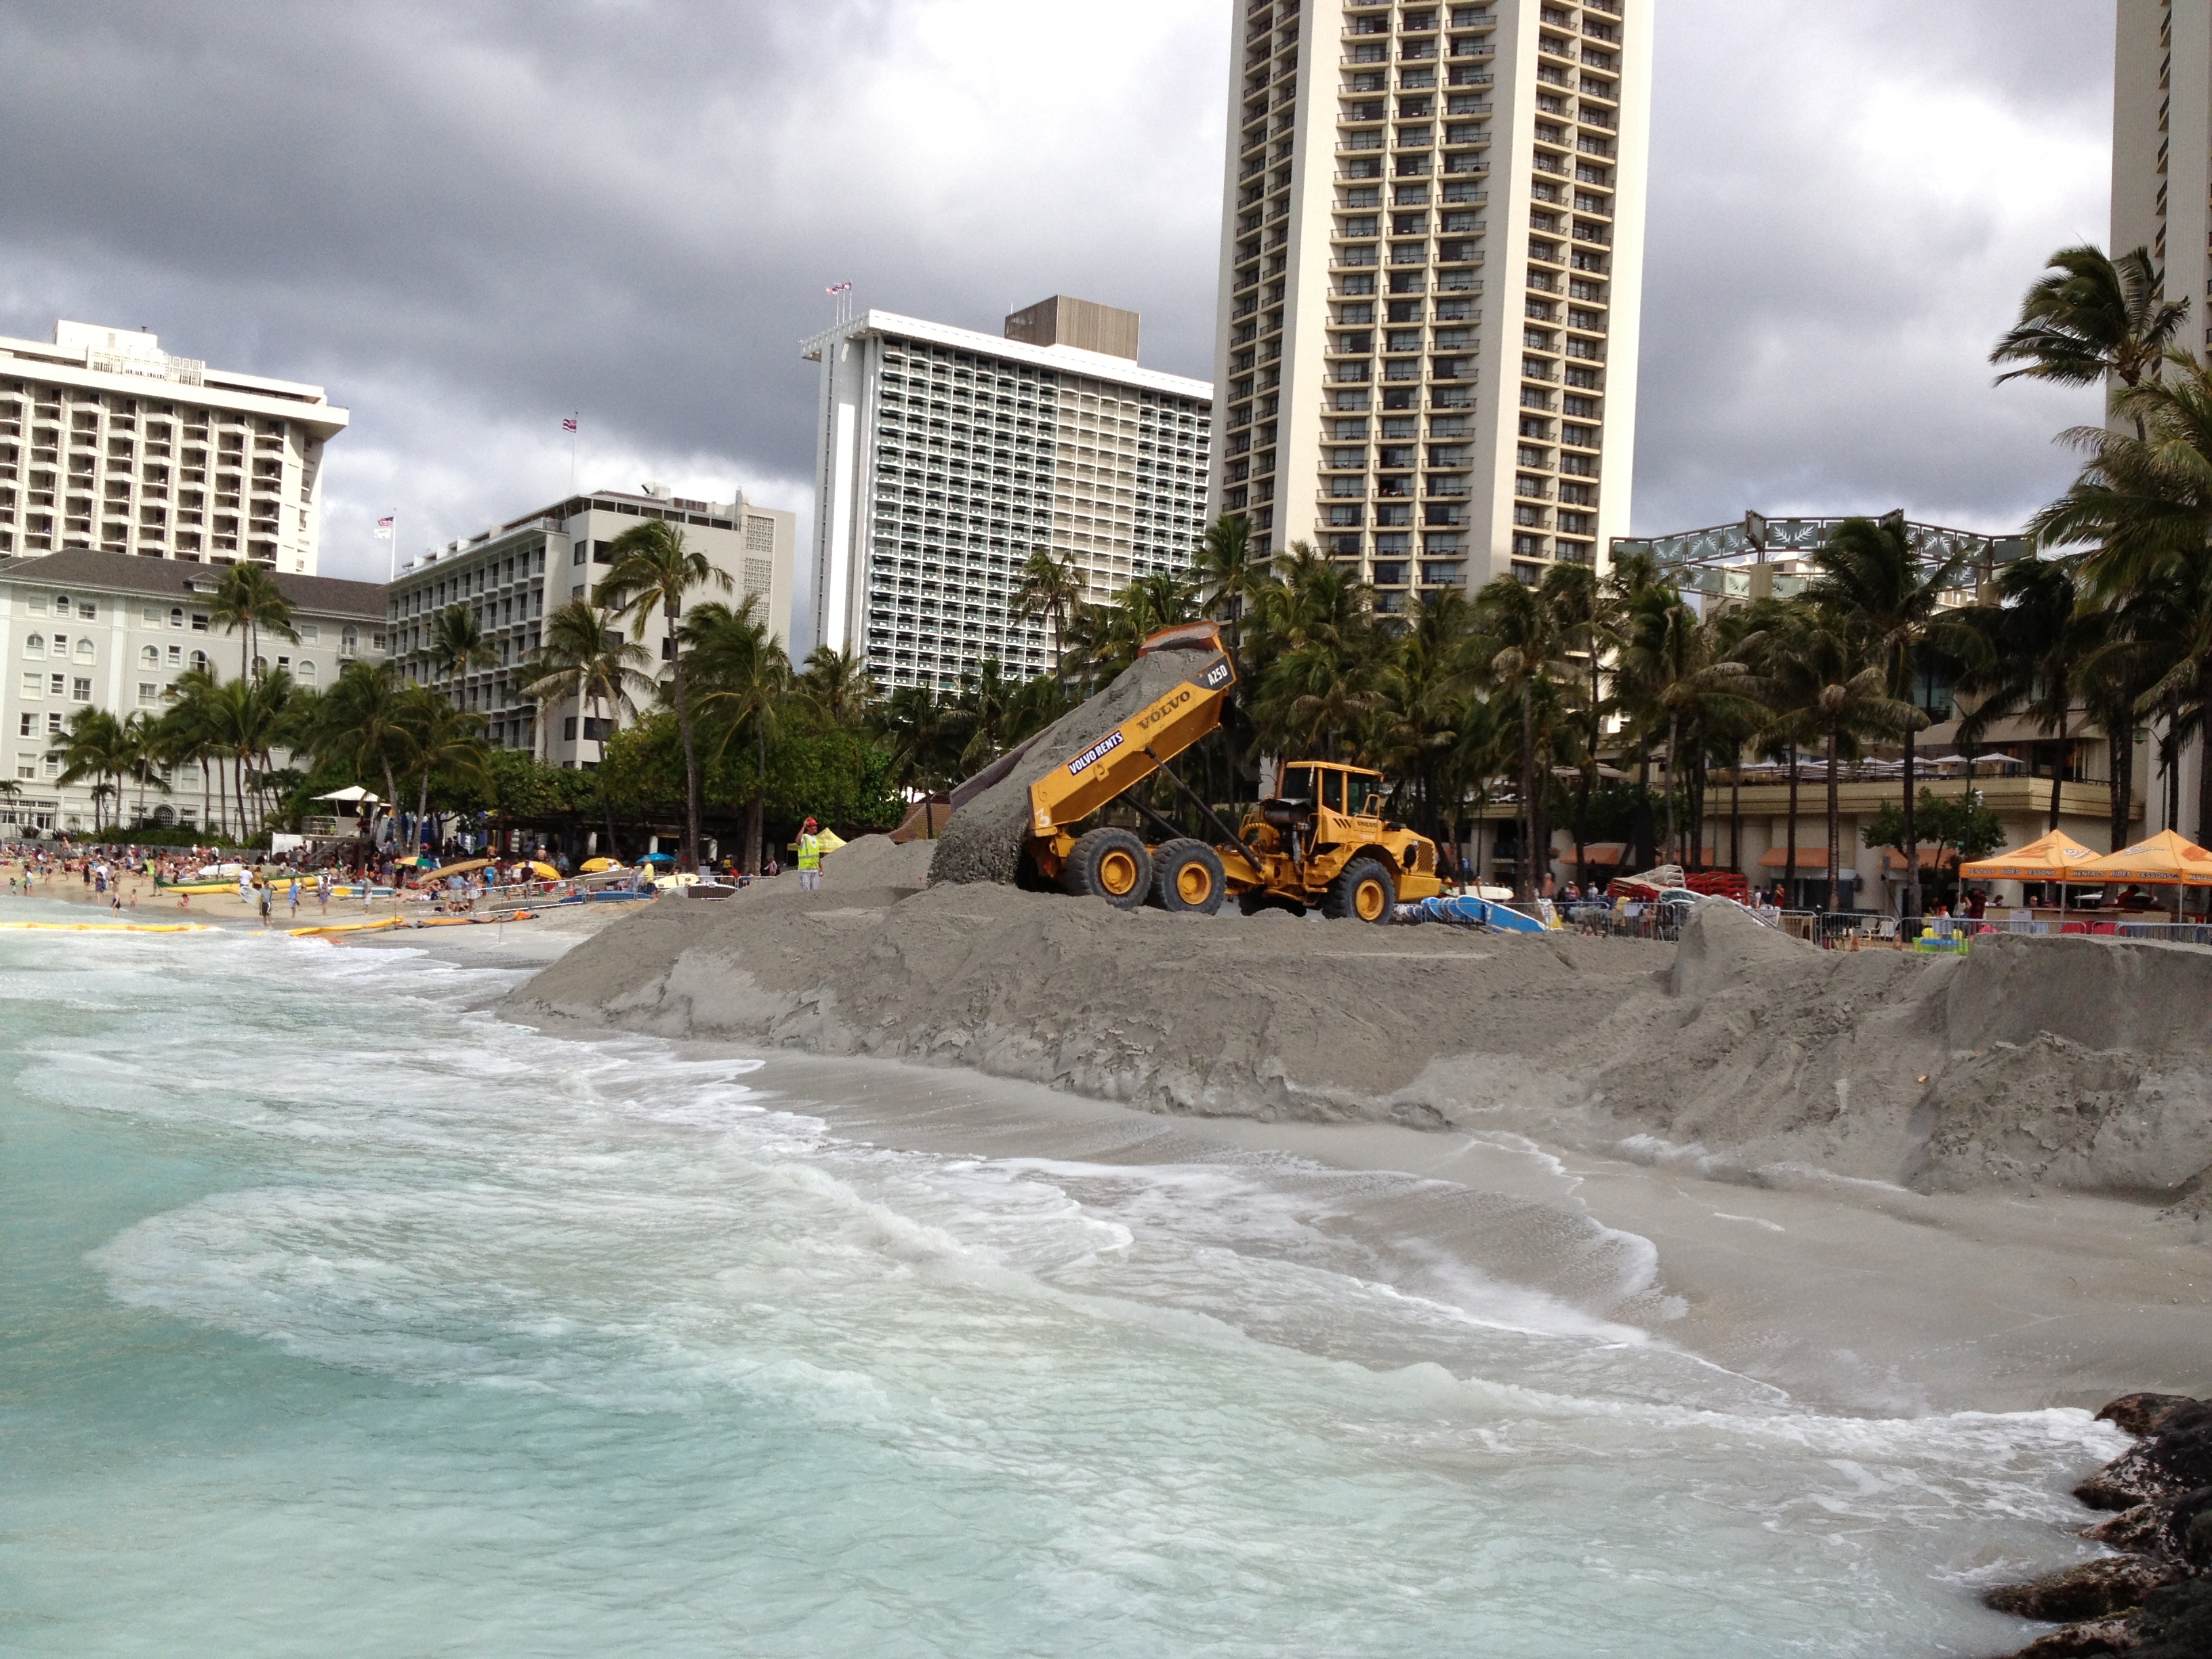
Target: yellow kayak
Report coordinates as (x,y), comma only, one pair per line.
(108,927)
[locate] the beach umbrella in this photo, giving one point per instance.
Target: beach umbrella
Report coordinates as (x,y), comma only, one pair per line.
(594,866)
(2055,857)
(544,871)
(830,841)
(658,858)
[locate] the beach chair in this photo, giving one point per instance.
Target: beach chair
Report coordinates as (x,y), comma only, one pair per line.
(2105,927)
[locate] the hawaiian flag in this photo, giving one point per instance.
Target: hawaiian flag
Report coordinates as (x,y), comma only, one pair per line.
(384,530)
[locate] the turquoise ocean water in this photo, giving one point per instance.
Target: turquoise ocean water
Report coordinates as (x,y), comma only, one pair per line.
(336,1318)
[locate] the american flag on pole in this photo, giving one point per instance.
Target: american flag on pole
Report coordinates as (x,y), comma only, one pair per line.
(384,530)
(567,423)
(840,288)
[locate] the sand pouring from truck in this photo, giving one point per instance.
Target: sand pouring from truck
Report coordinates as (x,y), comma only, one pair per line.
(1320,842)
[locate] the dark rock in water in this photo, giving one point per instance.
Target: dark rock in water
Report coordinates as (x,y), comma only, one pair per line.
(2182,1450)
(2186,1533)
(2142,1414)
(2126,1481)
(2135,1529)
(2110,1584)
(2175,1623)
(2083,1641)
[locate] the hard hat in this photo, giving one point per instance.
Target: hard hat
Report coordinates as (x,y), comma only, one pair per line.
(811,824)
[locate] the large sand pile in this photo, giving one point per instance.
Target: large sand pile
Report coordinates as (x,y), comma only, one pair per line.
(1743,1052)
(983,842)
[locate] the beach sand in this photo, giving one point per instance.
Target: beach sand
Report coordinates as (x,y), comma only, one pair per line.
(1848,1292)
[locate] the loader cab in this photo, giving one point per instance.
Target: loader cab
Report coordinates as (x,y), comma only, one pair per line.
(1346,791)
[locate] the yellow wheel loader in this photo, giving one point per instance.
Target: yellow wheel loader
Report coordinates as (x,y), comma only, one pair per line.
(1320,842)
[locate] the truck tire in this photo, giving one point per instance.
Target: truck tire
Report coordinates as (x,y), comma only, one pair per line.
(1365,892)
(1187,878)
(1111,865)
(1258,900)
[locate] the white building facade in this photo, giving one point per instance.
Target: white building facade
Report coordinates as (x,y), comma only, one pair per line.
(108,443)
(1432,255)
(513,574)
(87,629)
(944,457)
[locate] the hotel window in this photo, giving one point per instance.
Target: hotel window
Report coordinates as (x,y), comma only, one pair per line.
(80,690)
(149,656)
(34,685)
(58,684)
(35,646)
(27,763)
(148,693)
(27,725)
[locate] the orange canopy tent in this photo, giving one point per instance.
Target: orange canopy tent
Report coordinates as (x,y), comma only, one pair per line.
(2165,859)
(2055,857)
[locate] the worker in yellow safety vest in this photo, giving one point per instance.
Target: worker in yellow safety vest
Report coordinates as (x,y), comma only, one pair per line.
(810,857)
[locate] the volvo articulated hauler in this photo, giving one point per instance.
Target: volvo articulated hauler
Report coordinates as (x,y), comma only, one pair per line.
(1321,840)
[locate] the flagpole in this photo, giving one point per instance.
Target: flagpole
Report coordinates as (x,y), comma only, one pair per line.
(394,560)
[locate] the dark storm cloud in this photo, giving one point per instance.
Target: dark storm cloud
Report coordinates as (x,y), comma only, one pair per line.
(468,221)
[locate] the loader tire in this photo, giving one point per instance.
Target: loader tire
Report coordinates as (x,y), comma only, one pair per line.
(1365,892)
(1258,900)
(1111,865)
(1187,878)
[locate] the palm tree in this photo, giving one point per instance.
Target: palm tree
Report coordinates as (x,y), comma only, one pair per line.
(2035,642)
(2144,502)
(1678,658)
(1527,650)
(364,725)
(1050,588)
(143,733)
(653,569)
(1826,671)
(586,657)
(1428,696)
(1870,575)
(839,684)
(2168,627)
(446,745)
(94,745)
(742,675)
(457,641)
(2094,319)
(246,601)
(1228,576)
(1229,580)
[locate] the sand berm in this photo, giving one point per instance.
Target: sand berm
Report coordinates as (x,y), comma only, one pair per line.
(2034,1063)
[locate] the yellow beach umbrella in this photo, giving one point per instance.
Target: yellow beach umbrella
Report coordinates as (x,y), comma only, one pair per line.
(544,871)
(594,866)
(2055,857)
(2164,859)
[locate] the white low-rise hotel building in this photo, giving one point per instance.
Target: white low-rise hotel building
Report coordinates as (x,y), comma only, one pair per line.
(513,574)
(87,628)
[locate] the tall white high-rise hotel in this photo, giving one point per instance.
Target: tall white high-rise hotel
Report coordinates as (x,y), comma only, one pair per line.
(1432,243)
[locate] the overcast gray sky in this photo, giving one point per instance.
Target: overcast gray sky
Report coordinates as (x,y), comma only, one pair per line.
(469,220)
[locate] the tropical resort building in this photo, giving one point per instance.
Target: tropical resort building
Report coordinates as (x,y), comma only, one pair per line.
(90,629)
(945,458)
(1431,267)
(510,576)
(109,443)
(2015,767)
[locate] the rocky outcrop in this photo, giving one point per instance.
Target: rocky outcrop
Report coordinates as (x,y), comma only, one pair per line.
(2153,1600)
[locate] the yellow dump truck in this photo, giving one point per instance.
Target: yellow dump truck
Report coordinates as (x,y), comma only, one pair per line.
(1320,842)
